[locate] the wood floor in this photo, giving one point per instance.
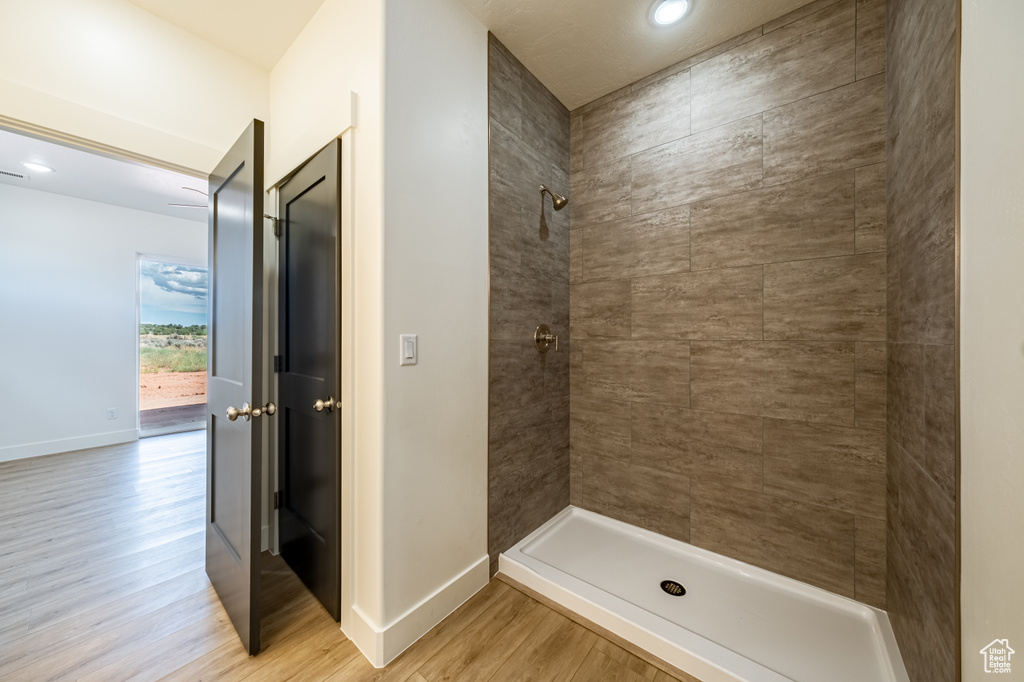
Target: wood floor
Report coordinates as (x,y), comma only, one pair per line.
(101,578)
(168,419)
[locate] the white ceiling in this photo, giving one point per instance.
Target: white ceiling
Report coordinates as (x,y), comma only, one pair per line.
(98,178)
(584,49)
(258,31)
(579,49)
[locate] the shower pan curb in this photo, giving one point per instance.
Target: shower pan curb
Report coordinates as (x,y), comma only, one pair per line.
(611,573)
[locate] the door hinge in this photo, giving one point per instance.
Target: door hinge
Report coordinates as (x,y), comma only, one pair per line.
(277,224)
(278,363)
(277,500)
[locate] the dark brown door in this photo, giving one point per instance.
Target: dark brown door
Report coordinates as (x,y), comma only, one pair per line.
(234,383)
(308,455)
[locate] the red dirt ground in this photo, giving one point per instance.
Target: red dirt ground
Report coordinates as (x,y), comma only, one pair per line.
(170,389)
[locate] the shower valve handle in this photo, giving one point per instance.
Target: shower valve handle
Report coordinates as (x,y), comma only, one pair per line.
(544,338)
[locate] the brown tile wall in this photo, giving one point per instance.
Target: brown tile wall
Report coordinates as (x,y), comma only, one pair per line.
(922,589)
(728,299)
(529,264)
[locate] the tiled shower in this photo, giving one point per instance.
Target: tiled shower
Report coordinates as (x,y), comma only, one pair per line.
(529,264)
(754,295)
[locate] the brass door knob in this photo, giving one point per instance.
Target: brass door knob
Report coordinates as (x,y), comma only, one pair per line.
(321,405)
(270,409)
(234,413)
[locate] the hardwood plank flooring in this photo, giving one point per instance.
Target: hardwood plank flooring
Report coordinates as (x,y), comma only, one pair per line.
(180,415)
(102,580)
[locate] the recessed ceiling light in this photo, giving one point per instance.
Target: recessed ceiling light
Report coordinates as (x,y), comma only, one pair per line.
(667,12)
(37,167)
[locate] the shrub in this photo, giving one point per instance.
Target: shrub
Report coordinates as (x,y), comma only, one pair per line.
(177,329)
(178,359)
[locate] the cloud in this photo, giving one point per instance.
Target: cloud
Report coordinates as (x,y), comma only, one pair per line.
(178,279)
(154,298)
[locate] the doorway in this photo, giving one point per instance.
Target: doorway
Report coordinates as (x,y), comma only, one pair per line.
(84,244)
(172,313)
(72,233)
(240,410)
(308,371)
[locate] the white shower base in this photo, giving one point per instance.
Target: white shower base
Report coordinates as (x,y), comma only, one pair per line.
(735,622)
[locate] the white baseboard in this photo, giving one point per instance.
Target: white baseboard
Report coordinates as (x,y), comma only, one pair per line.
(367,638)
(52,447)
(380,646)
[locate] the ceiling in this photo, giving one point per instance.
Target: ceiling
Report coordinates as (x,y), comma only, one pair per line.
(584,49)
(579,49)
(258,31)
(98,178)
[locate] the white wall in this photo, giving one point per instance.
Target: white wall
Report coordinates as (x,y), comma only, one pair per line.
(435,285)
(110,72)
(338,53)
(992,332)
(67,304)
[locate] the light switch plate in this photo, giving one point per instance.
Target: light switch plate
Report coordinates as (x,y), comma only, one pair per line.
(408,352)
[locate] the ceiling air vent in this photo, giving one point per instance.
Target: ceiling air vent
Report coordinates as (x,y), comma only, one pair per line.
(11,174)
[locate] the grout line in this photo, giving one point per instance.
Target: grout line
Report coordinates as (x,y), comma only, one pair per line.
(723,340)
(762,302)
(856,213)
(855,545)
(824,6)
(762,417)
(689,238)
(762,455)
(856,355)
(796,101)
(689,108)
(729,194)
(762,150)
(856,35)
(817,505)
(697,59)
(922,469)
(689,375)
(630,163)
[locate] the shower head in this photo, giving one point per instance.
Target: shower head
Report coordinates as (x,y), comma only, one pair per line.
(557,200)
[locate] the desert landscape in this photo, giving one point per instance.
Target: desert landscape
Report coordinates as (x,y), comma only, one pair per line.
(172,363)
(171,389)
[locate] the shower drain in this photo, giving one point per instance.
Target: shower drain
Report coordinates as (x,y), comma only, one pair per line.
(673,588)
